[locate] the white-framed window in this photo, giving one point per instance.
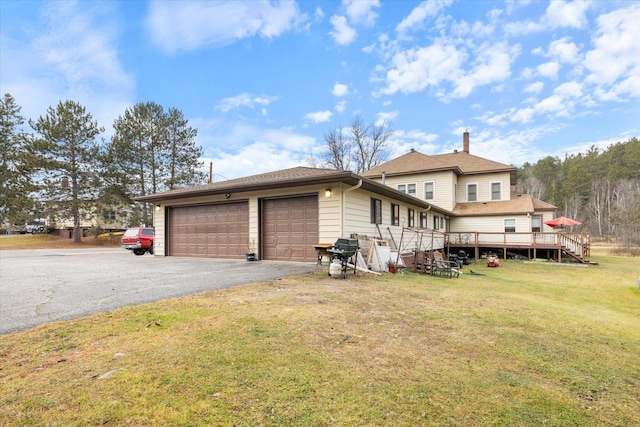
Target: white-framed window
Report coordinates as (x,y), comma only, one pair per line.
(472,192)
(411,217)
(407,188)
(395,214)
(429,190)
(510,225)
(496,191)
(536,224)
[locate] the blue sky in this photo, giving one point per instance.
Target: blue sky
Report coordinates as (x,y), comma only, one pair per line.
(263,81)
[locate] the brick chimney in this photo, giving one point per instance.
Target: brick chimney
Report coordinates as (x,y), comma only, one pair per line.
(465,141)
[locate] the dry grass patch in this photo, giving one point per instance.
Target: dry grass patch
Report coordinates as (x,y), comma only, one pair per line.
(525,345)
(48,241)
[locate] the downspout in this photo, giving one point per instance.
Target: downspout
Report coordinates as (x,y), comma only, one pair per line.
(342,211)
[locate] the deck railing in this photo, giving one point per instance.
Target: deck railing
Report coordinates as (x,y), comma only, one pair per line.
(577,244)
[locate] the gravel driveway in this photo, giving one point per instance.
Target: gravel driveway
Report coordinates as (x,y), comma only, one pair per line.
(41,286)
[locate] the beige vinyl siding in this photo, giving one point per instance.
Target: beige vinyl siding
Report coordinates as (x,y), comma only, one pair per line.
(484,182)
(329,215)
(358,215)
(444,186)
(159,230)
(489,224)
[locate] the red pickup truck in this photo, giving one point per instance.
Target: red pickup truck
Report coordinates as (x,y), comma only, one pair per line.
(139,240)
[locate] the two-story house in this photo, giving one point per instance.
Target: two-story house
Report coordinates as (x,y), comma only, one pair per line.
(458,199)
(478,192)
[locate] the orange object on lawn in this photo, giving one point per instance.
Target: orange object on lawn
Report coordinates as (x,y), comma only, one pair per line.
(493,261)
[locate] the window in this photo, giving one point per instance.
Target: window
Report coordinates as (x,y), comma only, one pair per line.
(376,211)
(395,214)
(509,225)
(472,192)
(429,190)
(407,188)
(411,217)
(424,218)
(496,193)
(436,222)
(536,224)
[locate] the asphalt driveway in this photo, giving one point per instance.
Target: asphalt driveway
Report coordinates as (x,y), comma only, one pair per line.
(41,286)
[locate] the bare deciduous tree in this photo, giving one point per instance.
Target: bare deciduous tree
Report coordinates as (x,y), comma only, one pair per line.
(364,146)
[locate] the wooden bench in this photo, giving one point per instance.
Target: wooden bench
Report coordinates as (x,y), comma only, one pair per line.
(321,249)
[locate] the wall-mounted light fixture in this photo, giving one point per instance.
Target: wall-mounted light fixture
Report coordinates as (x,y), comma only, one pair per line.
(327,193)
(227,195)
(157,208)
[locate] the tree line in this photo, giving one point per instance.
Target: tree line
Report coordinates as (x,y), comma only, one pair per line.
(62,164)
(600,188)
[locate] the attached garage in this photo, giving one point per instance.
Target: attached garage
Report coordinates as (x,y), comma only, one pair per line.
(218,230)
(290,228)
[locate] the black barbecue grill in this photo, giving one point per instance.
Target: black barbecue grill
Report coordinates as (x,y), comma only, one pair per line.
(343,250)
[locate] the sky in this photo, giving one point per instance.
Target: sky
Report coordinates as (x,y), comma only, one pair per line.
(264,81)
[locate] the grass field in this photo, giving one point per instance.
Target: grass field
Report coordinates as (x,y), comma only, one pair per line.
(523,345)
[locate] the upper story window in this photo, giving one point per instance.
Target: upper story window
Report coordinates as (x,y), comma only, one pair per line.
(411,217)
(429,190)
(376,211)
(395,214)
(472,192)
(509,225)
(496,191)
(407,188)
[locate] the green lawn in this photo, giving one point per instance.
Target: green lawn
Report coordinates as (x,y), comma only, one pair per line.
(524,345)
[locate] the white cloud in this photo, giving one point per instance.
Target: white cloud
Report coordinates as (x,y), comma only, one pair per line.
(74,56)
(559,14)
(339,90)
(563,14)
(569,89)
(420,14)
(360,12)
(244,100)
(564,51)
(386,117)
(342,32)
(319,116)
(415,69)
(491,65)
(548,69)
(341,106)
(184,26)
(615,58)
(534,87)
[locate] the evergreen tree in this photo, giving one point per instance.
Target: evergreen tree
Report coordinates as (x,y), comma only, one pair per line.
(151,151)
(16,184)
(68,158)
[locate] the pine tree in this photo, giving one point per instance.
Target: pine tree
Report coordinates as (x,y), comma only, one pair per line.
(16,184)
(68,158)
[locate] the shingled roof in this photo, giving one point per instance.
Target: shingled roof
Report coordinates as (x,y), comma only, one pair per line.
(518,204)
(286,178)
(460,162)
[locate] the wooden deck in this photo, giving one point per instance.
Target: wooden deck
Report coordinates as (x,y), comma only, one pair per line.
(574,245)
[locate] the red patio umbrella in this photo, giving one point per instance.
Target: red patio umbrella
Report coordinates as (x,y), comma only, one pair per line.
(562,220)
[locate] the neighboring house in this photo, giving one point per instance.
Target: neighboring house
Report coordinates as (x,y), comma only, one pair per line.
(101,216)
(460,200)
(283,213)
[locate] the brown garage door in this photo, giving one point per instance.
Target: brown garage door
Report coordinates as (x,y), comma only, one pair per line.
(216,231)
(290,228)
